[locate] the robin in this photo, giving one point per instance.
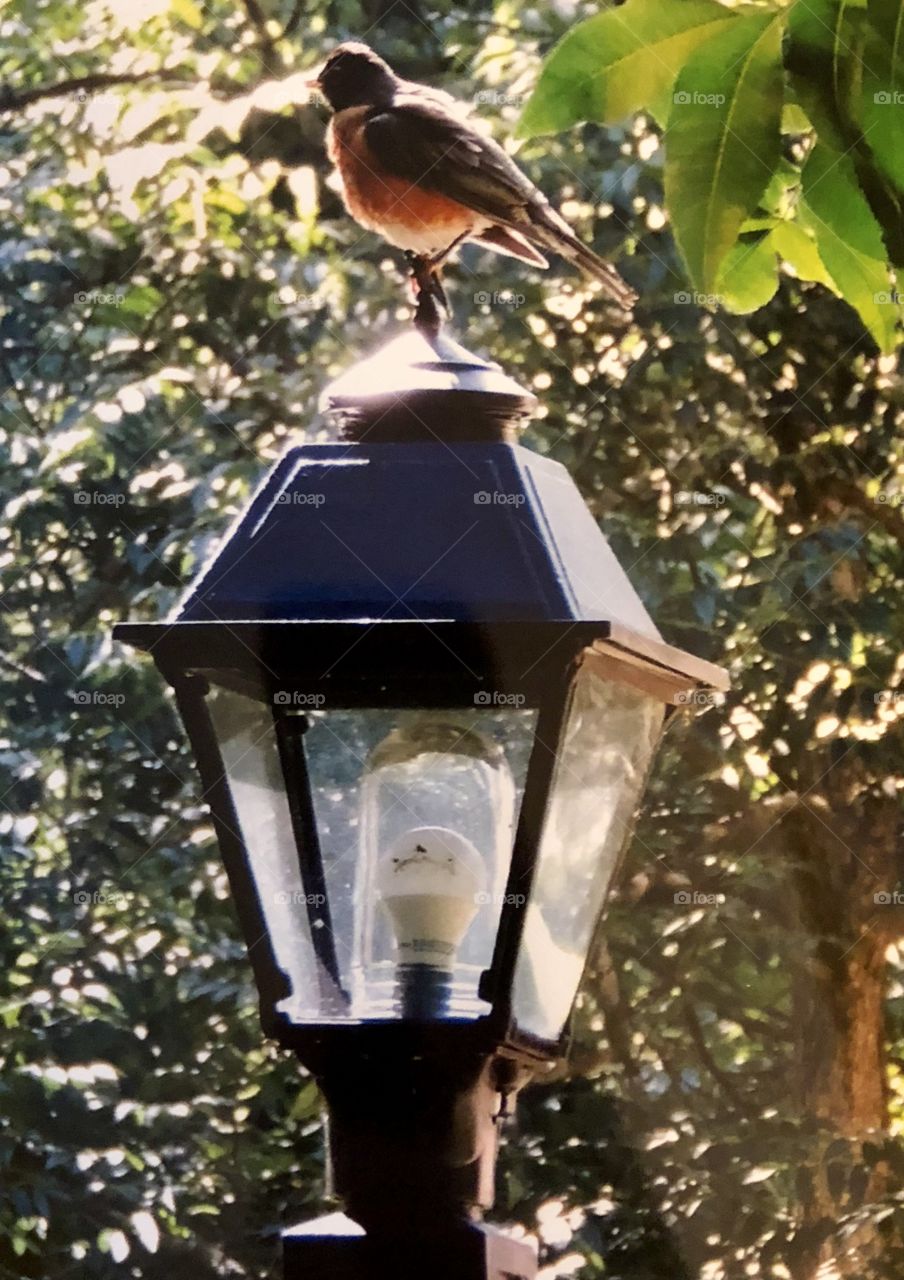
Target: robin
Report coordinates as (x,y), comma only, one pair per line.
(414,170)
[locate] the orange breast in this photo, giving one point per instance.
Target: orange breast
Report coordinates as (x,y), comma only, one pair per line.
(404,213)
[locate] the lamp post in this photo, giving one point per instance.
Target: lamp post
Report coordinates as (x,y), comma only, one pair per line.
(424,699)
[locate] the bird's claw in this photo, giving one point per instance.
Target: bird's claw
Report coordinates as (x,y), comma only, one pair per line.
(428,294)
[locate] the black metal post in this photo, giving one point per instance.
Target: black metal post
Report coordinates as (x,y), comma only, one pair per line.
(413,1131)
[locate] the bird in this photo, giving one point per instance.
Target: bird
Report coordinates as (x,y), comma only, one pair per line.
(414,169)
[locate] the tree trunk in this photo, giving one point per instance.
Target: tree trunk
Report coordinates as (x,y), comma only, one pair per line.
(842,856)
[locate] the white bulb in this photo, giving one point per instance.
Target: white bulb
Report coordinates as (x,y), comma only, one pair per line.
(431,881)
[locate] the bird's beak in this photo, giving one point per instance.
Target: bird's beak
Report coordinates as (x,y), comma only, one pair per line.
(312,81)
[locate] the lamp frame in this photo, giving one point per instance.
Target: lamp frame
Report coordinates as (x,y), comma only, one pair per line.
(401,599)
(406,665)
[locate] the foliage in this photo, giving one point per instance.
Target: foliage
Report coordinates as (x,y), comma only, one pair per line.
(784,132)
(178,284)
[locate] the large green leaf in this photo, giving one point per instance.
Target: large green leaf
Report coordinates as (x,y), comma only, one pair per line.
(798,248)
(842,64)
(849,240)
(821,36)
(620,61)
(748,279)
(724,140)
(883,87)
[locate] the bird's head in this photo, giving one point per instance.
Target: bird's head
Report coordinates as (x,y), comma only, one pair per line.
(355,76)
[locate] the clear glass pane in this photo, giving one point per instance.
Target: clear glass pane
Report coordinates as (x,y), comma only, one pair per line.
(247,741)
(611,731)
(379,778)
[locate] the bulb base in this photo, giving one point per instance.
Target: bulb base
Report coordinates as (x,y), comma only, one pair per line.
(424,991)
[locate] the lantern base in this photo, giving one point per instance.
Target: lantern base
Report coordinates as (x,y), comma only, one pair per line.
(337,1248)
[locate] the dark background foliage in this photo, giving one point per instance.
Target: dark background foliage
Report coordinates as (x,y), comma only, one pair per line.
(178,284)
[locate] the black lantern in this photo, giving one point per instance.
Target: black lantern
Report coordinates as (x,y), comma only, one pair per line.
(424,699)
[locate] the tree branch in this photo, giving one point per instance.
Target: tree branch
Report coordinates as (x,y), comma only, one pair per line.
(851,495)
(293,20)
(271,59)
(722,1078)
(10,100)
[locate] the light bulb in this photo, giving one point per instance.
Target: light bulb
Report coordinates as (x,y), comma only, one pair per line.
(431,881)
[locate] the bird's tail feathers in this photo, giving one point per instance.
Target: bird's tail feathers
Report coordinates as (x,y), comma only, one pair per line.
(598,268)
(512,243)
(555,234)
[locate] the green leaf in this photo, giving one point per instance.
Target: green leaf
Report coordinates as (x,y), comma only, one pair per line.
(618,62)
(842,61)
(795,119)
(188,12)
(849,239)
(308,1103)
(798,248)
(749,278)
(882,102)
(724,140)
(782,189)
(820,35)
(142,300)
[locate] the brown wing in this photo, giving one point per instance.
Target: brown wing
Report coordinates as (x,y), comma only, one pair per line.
(418,139)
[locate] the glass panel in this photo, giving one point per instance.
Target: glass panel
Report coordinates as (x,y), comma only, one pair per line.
(447,783)
(610,734)
(247,741)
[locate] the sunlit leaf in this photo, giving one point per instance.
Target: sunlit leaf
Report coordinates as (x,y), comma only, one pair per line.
(748,277)
(850,242)
(622,60)
(723,140)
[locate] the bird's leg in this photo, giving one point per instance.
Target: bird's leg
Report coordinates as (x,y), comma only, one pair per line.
(436,286)
(436,262)
(424,278)
(415,270)
(426,271)
(428,292)
(438,259)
